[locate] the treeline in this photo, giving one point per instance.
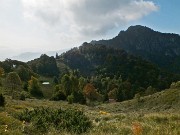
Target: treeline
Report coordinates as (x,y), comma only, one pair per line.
(18,80)
(45,66)
(85,74)
(101,62)
(97,73)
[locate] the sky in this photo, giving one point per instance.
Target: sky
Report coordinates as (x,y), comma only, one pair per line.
(49,25)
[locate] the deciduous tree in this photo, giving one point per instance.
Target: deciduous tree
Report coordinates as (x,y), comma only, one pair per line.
(13,82)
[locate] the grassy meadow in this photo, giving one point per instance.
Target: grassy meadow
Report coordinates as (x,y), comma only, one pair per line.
(157,114)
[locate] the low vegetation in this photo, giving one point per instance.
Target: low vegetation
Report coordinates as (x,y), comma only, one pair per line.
(69,120)
(152,115)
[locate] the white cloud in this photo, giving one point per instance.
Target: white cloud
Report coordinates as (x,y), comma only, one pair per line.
(60,24)
(86,17)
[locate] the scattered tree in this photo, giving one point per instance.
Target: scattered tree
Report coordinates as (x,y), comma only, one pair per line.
(90,92)
(67,85)
(1,71)
(55,80)
(23,73)
(34,88)
(13,82)
(70,99)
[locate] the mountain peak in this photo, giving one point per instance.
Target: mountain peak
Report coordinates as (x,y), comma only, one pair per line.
(137,29)
(162,49)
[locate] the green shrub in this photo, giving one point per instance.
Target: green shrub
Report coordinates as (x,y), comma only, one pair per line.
(34,87)
(70,120)
(137,97)
(22,96)
(70,99)
(79,97)
(25,86)
(175,85)
(2,100)
(58,96)
(0,82)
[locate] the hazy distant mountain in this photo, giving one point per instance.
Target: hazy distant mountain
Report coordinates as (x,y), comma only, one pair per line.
(27,56)
(162,49)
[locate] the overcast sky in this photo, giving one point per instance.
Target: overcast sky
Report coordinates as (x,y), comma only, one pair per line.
(48,25)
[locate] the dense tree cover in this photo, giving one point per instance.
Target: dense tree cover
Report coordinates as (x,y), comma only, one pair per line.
(10,65)
(70,87)
(21,68)
(44,65)
(112,72)
(162,49)
(101,61)
(95,72)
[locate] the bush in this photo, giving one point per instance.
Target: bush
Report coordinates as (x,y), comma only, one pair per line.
(22,96)
(0,82)
(58,96)
(25,86)
(79,97)
(2,100)
(175,85)
(150,90)
(70,99)
(70,120)
(137,97)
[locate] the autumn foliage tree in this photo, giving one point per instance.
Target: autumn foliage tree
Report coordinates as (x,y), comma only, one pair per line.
(1,71)
(90,92)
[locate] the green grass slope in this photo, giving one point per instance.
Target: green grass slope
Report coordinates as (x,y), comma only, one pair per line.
(158,114)
(167,100)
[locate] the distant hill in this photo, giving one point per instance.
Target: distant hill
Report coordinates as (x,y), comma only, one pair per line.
(162,49)
(27,56)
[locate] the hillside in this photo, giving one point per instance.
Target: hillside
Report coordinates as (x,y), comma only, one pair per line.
(167,100)
(96,60)
(162,49)
(153,114)
(87,77)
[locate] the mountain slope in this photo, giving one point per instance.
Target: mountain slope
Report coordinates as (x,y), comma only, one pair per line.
(95,60)
(168,99)
(162,49)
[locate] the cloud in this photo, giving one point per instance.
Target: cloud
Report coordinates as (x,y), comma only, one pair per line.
(86,17)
